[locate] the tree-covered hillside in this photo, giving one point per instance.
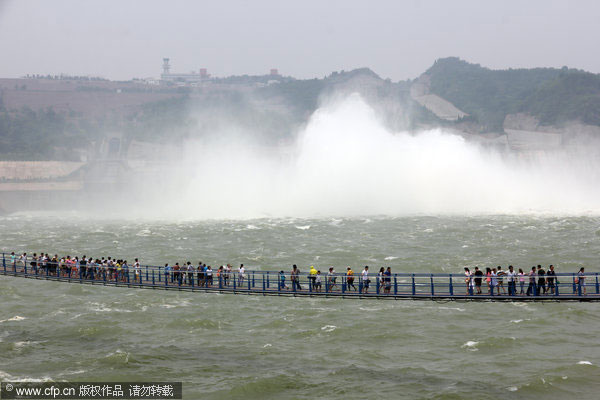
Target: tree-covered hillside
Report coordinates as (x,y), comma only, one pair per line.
(273,111)
(487,95)
(43,135)
(552,95)
(573,95)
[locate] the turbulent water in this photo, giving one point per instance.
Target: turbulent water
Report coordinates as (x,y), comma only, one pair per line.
(236,346)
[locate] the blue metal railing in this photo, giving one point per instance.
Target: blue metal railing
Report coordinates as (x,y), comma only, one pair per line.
(397,285)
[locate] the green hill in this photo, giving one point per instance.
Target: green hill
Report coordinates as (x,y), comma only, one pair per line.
(573,95)
(275,110)
(486,94)
(550,94)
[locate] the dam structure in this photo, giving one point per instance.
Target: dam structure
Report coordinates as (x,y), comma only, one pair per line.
(408,286)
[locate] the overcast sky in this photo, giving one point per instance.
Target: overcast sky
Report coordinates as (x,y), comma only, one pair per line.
(397,39)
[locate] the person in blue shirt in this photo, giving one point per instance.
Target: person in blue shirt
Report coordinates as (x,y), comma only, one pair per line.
(387,280)
(282,280)
(168,272)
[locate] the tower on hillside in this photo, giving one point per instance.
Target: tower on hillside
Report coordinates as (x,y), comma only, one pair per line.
(166,66)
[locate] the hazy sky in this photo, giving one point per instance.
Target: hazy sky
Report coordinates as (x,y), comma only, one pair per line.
(397,39)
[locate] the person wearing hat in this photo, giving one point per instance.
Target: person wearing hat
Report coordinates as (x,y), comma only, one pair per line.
(350,279)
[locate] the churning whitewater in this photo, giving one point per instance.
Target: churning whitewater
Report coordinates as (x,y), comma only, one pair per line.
(345,162)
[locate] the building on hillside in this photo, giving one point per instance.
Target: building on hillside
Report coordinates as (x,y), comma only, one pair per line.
(192,77)
(202,76)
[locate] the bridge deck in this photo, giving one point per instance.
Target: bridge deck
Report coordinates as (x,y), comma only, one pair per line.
(401,286)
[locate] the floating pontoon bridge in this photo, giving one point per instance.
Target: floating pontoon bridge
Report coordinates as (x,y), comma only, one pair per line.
(417,286)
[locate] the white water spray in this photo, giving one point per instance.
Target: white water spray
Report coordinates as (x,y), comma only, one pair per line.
(346,163)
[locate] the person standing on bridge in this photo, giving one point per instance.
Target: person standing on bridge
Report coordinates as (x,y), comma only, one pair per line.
(227,274)
(312,275)
(350,279)
(318,282)
(521,276)
(138,270)
(468,279)
(295,278)
(220,276)
(494,282)
(167,272)
(190,273)
(541,280)
(380,277)
(365,280)
(282,280)
(125,267)
(209,276)
(387,280)
(33,263)
(511,278)
(241,274)
(23,260)
(201,279)
(501,275)
(478,279)
(331,278)
(580,280)
(83,267)
(531,289)
(550,279)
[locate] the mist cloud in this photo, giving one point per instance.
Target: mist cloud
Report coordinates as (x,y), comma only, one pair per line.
(344,162)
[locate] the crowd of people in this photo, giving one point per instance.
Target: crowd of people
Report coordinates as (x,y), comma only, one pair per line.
(536,282)
(315,279)
(84,267)
(201,275)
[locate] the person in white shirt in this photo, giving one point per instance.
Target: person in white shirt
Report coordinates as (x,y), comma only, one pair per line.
(468,280)
(501,275)
(318,282)
(209,276)
(331,278)
(511,278)
(365,280)
(241,274)
(137,268)
(494,282)
(23,260)
(227,274)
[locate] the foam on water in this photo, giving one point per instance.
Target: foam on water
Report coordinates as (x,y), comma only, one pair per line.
(5,376)
(328,328)
(15,318)
(471,345)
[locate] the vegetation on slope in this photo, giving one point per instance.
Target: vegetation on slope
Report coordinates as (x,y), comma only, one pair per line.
(42,135)
(272,111)
(573,95)
(552,95)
